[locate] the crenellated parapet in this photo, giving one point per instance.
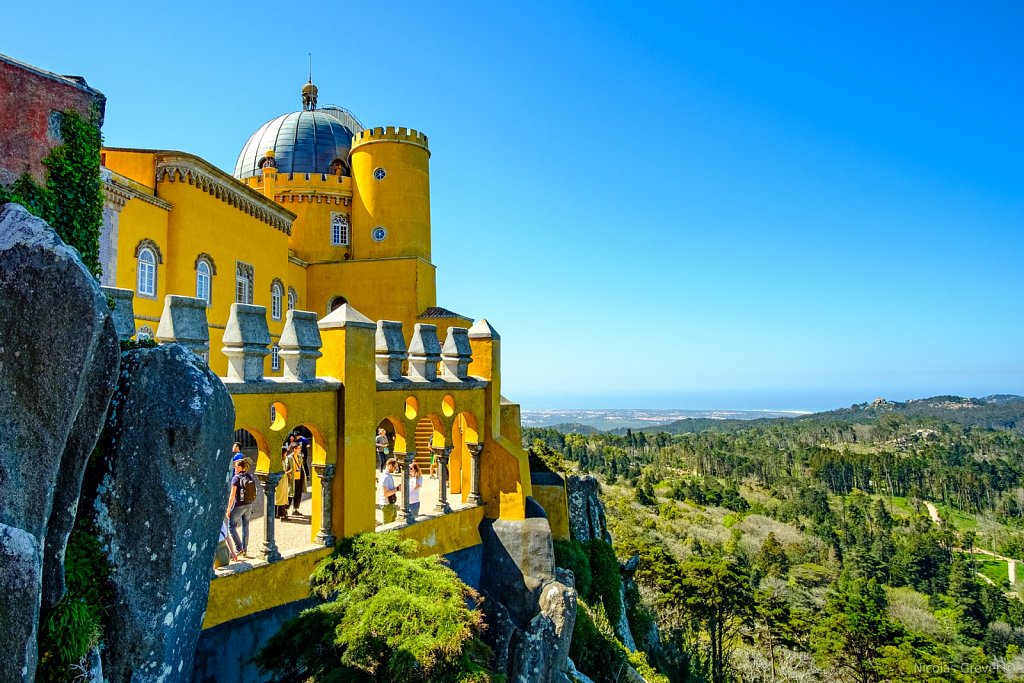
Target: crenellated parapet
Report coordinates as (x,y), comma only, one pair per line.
(246,342)
(424,353)
(390,350)
(300,345)
(183,321)
(409,136)
(123,311)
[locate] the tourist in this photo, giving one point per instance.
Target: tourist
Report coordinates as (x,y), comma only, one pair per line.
(284,489)
(415,484)
(241,498)
(382,448)
(389,491)
(293,470)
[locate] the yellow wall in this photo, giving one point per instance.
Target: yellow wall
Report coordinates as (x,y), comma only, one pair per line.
(141,220)
(400,202)
(556,504)
(386,289)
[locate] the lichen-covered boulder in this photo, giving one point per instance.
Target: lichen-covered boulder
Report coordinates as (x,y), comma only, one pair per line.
(519,558)
(160,497)
(19,584)
(58,358)
(530,605)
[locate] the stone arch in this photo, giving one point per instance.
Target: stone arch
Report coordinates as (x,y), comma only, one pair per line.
(146,243)
(255,446)
(460,464)
(394,427)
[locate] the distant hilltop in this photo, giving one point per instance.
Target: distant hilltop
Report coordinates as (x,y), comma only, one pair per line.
(633,418)
(1001,409)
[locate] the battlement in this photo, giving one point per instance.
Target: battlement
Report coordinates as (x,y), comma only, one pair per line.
(389,134)
(328,181)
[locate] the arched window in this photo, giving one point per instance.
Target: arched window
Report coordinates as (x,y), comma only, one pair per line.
(203,282)
(293,299)
(245,275)
(145,333)
(147,273)
(336,303)
(275,357)
(276,295)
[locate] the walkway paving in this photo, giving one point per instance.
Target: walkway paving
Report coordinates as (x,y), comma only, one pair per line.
(294,535)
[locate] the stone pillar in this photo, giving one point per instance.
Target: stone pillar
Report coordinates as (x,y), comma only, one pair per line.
(123,313)
(408,458)
(184,322)
(424,352)
(270,482)
(246,338)
(475,449)
(442,480)
(457,353)
(326,474)
(300,345)
(390,350)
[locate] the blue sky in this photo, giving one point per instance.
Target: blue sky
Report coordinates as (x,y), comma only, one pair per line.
(691,205)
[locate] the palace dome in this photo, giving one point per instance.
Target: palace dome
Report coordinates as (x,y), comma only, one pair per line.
(302,141)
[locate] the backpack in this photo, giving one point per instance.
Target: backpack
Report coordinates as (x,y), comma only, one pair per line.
(246,489)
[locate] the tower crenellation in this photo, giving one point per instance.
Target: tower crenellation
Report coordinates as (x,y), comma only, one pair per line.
(390,134)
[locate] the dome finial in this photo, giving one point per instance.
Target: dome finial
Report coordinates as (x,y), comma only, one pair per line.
(309,90)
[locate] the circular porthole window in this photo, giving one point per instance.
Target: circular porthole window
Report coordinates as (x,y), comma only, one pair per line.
(379,173)
(379,233)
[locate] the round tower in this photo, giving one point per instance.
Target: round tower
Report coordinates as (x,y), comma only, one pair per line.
(391,193)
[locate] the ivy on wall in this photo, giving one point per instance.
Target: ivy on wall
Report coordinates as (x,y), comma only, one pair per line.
(71,201)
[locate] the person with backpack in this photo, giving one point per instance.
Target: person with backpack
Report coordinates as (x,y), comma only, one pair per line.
(241,500)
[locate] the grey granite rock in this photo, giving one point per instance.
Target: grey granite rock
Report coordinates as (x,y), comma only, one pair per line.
(19,584)
(57,359)
(586,511)
(160,495)
(519,559)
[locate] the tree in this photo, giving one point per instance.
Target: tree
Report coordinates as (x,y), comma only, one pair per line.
(386,616)
(855,628)
(717,594)
(771,559)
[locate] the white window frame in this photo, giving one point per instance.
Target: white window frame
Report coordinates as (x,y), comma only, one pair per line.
(275,301)
(204,281)
(245,276)
(293,299)
(145,280)
(339,230)
(275,357)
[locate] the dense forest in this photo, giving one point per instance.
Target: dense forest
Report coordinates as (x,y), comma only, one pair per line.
(873,543)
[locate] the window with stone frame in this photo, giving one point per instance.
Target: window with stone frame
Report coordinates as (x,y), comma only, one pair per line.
(293,299)
(339,230)
(276,299)
(148,257)
(244,277)
(275,357)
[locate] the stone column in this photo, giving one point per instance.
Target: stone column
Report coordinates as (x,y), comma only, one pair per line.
(409,457)
(184,322)
(442,480)
(475,449)
(270,482)
(326,474)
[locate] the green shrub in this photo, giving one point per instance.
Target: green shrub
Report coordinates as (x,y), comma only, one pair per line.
(605,587)
(389,616)
(573,556)
(76,624)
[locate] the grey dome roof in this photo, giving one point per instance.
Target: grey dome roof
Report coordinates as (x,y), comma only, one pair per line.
(303,142)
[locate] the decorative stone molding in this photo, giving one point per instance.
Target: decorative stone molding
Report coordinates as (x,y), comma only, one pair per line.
(184,322)
(424,352)
(246,338)
(123,313)
(189,169)
(390,350)
(145,243)
(457,353)
(209,261)
(300,345)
